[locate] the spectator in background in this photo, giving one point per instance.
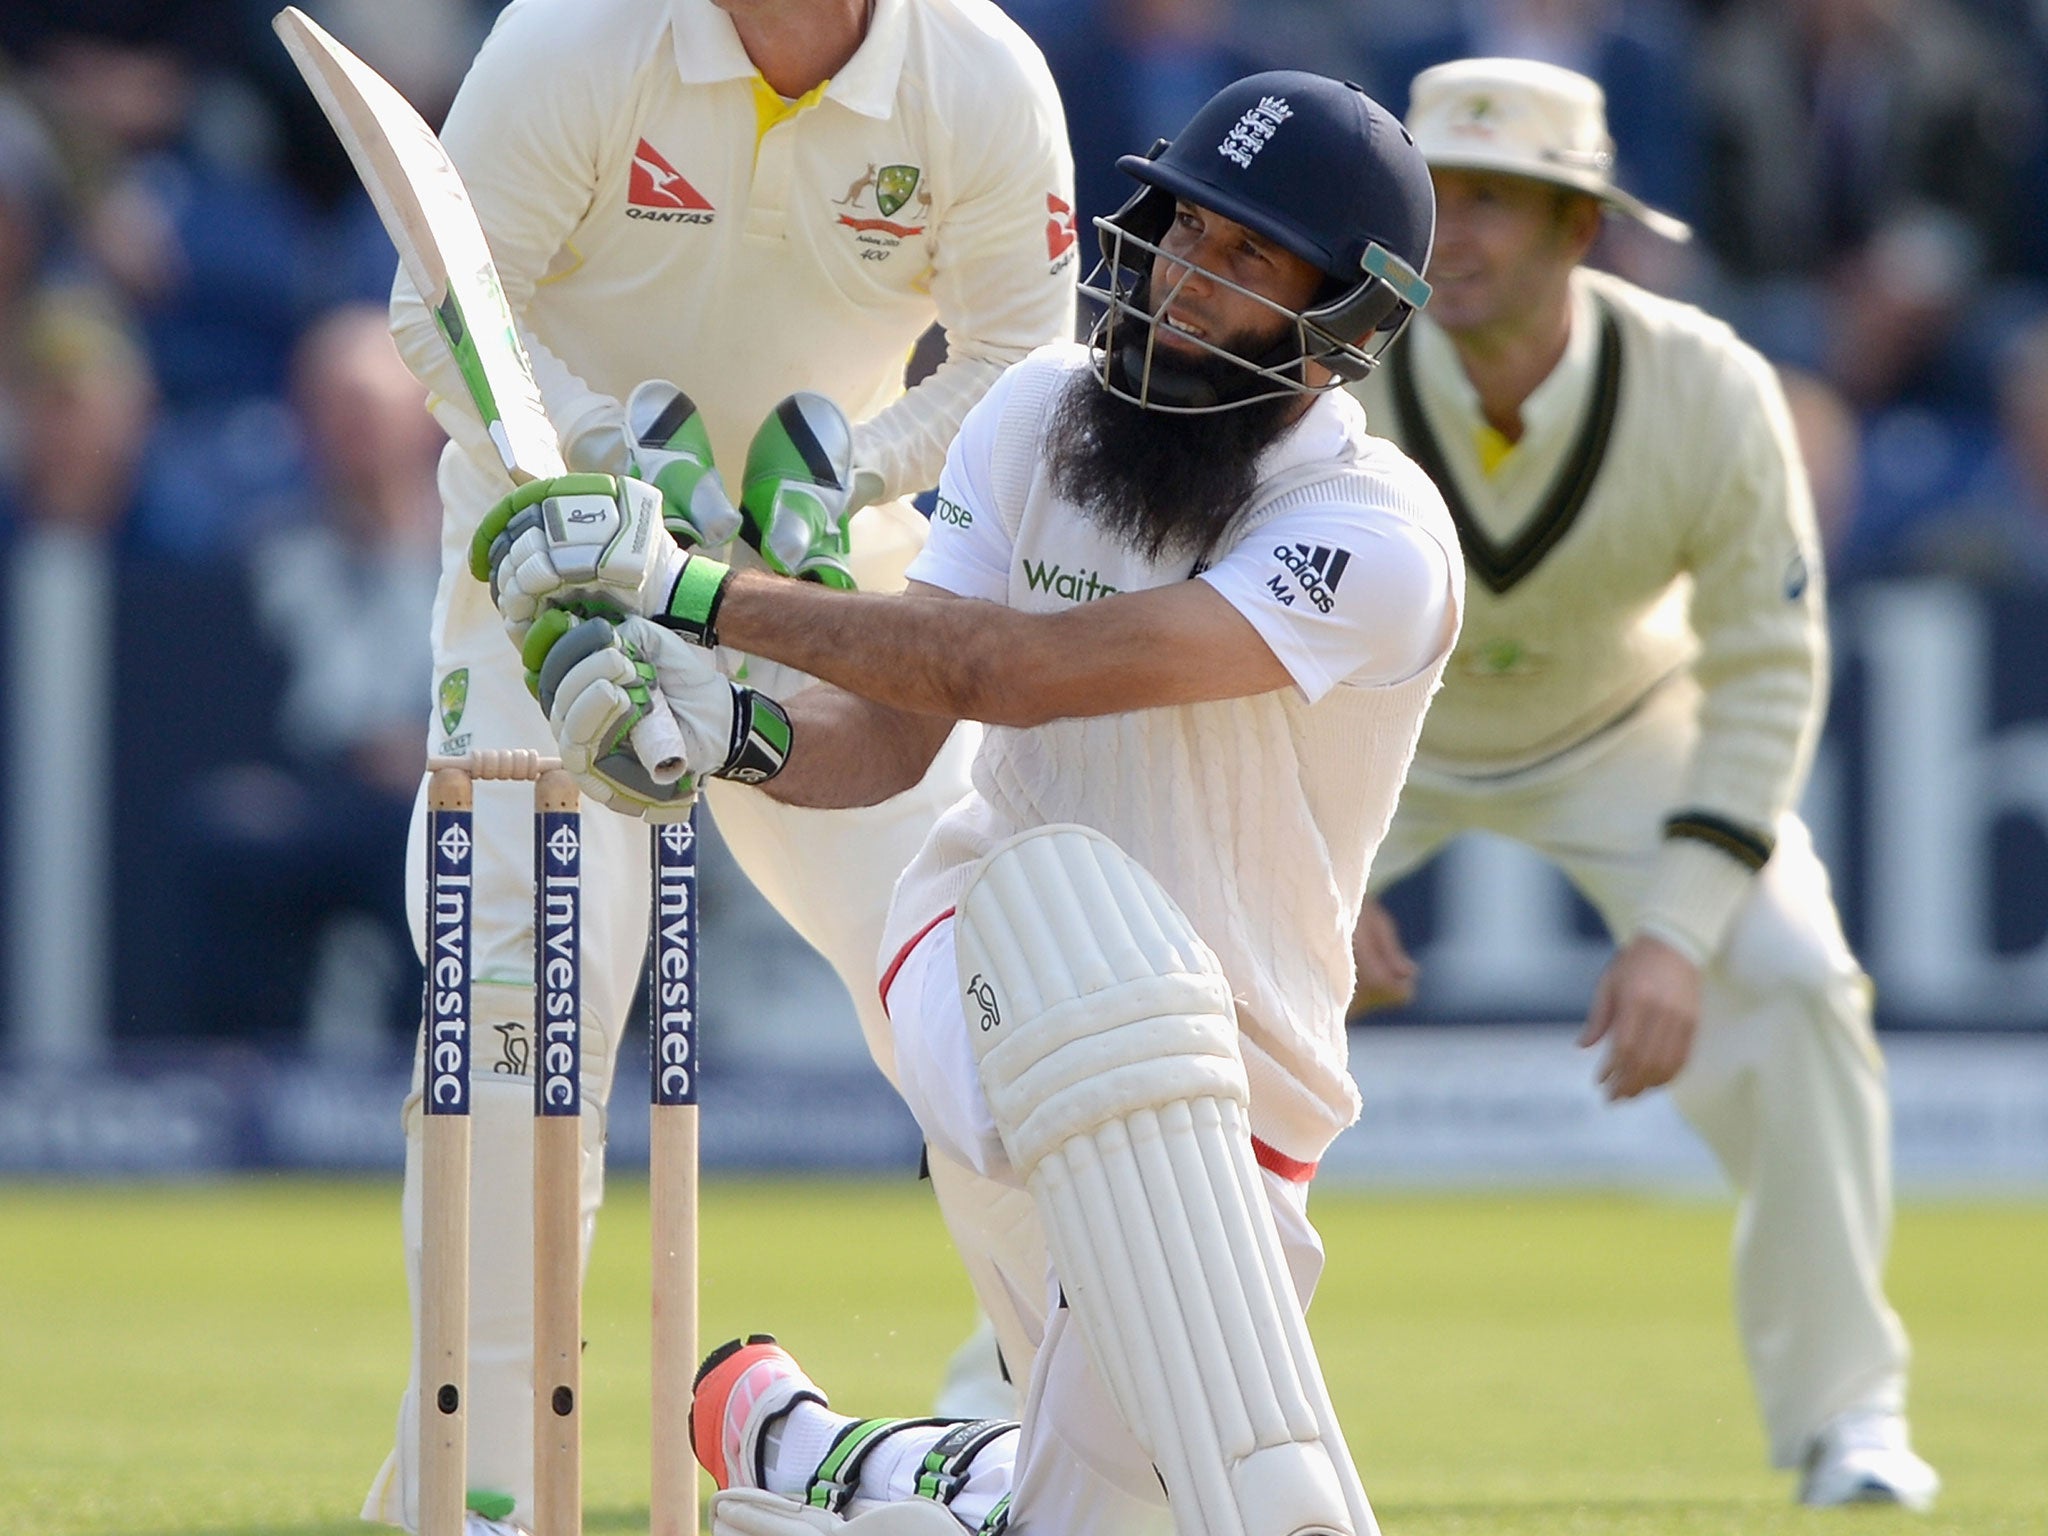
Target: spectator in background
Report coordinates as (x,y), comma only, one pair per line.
(1830,444)
(177,205)
(299,865)
(1864,160)
(76,394)
(422,47)
(1993,530)
(76,399)
(1131,71)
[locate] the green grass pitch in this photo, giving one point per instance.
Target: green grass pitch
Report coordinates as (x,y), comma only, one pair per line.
(223,1360)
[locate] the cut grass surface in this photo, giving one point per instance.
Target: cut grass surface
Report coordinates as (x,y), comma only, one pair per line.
(224,1359)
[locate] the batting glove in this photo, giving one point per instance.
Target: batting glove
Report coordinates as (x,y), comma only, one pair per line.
(597,681)
(595,543)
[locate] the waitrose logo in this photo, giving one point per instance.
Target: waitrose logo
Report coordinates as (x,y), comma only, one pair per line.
(1077,586)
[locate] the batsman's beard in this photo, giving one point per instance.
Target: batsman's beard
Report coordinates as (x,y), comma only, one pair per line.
(1164,485)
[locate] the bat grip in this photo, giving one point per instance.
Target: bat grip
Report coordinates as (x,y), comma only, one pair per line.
(658,742)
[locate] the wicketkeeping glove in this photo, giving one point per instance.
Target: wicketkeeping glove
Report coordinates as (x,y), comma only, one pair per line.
(594,543)
(796,495)
(664,442)
(672,451)
(597,680)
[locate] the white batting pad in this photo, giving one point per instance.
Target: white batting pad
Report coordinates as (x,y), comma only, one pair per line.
(751,1512)
(1107,1045)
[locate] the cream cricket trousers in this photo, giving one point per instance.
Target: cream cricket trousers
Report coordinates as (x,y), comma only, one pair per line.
(829,873)
(1785,1082)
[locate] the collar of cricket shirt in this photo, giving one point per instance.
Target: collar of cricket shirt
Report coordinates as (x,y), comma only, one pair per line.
(708,50)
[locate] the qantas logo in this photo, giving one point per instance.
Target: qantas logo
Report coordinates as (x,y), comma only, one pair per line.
(1316,568)
(1059,230)
(658,192)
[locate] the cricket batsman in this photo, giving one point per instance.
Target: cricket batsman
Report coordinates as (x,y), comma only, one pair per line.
(1201,612)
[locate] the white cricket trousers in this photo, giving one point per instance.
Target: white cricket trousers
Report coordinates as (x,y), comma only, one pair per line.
(829,873)
(1079,1470)
(1785,1082)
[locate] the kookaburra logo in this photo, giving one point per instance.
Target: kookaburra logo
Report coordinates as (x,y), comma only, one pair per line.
(984,996)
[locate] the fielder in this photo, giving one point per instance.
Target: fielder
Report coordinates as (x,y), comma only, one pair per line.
(1202,613)
(749,198)
(1636,694)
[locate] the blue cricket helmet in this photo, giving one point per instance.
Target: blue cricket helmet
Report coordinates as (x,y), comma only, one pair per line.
(1316,166)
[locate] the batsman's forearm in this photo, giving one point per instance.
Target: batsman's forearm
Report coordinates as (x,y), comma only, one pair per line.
(920,655)
(847,751)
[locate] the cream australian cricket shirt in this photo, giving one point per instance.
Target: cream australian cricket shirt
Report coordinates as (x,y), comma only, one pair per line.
(1654,516)
(656,212)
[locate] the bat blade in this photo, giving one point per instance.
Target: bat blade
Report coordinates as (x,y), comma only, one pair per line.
(426,210)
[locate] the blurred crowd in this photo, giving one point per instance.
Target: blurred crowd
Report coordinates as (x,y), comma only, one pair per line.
(193,369)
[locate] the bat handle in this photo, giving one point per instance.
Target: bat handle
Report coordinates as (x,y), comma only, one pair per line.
(658,743)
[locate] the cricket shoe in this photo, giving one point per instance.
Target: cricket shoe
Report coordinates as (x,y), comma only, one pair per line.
(474,1524)
(1863,1457)
(741,1389)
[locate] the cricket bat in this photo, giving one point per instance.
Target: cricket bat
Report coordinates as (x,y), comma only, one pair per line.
(426,211)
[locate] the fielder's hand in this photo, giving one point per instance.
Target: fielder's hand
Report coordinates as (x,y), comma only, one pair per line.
(796,497)
(593,542)
(597,680)
(1386,971)
(1646,1008)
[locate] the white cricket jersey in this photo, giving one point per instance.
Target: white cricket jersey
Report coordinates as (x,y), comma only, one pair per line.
(646,224)
(1683,537)
(1258,815)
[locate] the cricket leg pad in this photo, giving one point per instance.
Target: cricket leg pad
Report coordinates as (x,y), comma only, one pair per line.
(1107,1044)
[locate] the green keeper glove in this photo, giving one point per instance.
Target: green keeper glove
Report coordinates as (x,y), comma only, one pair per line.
(672,451)
(663,441)
(796,496)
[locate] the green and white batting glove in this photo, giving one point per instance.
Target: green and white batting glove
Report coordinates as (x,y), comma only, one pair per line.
(594,543)
(796,496)
(597,680)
